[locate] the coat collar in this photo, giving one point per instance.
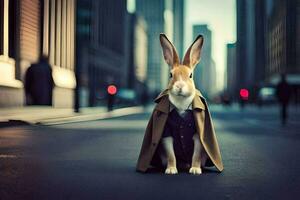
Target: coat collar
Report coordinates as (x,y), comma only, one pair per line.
(163,103)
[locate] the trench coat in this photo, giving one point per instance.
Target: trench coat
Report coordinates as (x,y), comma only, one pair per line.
(155,127)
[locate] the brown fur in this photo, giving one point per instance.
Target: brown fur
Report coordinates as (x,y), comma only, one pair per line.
(182,91)
(183,72)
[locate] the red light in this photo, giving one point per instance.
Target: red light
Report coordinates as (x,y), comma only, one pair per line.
(244,93)
(112,90)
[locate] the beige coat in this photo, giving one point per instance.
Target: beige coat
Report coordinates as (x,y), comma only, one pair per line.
(158,120)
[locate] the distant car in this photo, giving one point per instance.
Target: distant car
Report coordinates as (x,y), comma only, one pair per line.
(126,95)
(267,95)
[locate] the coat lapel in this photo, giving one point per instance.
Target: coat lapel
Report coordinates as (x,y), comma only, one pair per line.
(162,110)
(160,118)
(199,114)
(197,103)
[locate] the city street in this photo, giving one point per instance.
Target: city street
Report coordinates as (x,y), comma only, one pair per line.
(96,160)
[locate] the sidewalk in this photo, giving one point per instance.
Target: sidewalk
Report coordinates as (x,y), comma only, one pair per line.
(49,116)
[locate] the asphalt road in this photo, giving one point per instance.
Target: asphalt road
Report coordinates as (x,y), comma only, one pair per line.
(96,160)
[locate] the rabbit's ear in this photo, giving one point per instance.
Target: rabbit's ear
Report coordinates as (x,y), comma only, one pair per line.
(169,51)
(192,56)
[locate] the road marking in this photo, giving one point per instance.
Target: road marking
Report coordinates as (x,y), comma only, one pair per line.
(96,116)
(7,156)
(108,124)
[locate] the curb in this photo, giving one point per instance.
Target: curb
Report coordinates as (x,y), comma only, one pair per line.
(75,117)
(13,123)
(92,117)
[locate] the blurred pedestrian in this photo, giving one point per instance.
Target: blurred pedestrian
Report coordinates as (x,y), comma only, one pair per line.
(39,83)
(283,92)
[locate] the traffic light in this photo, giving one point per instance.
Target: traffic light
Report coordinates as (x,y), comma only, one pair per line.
(111,91)
(244,94)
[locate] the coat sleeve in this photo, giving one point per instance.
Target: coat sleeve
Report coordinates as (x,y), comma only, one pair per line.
(145,155)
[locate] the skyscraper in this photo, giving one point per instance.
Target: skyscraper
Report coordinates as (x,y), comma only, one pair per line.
(101,36)
(231,70)
(153,13)
(205,72)
(245,43)
(136,56)
(250,46)
(161,16)
(178,10)
(267,42)
(283,40)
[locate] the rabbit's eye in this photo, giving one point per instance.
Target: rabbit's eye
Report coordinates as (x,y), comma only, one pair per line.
(171,75)
(191,75)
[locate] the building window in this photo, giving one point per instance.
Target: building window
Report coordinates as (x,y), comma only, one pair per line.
(29,32)
(1,25)
(59,43)
(7,28)
(12,29)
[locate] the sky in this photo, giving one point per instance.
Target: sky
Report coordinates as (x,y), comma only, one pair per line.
(220,15)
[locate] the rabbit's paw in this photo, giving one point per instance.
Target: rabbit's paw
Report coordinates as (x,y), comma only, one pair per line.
(171,170)
(195,170)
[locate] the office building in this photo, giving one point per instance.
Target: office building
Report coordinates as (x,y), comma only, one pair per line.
(231,86)
(205,71)
(136,56)
(101,35)
(178,12)
(29,29)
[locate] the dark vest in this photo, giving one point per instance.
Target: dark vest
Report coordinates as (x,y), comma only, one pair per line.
(182,130)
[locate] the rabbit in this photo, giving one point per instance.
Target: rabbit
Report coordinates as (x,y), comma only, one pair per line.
(181,92)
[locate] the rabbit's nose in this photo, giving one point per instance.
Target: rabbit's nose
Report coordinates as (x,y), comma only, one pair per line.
(179,85)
